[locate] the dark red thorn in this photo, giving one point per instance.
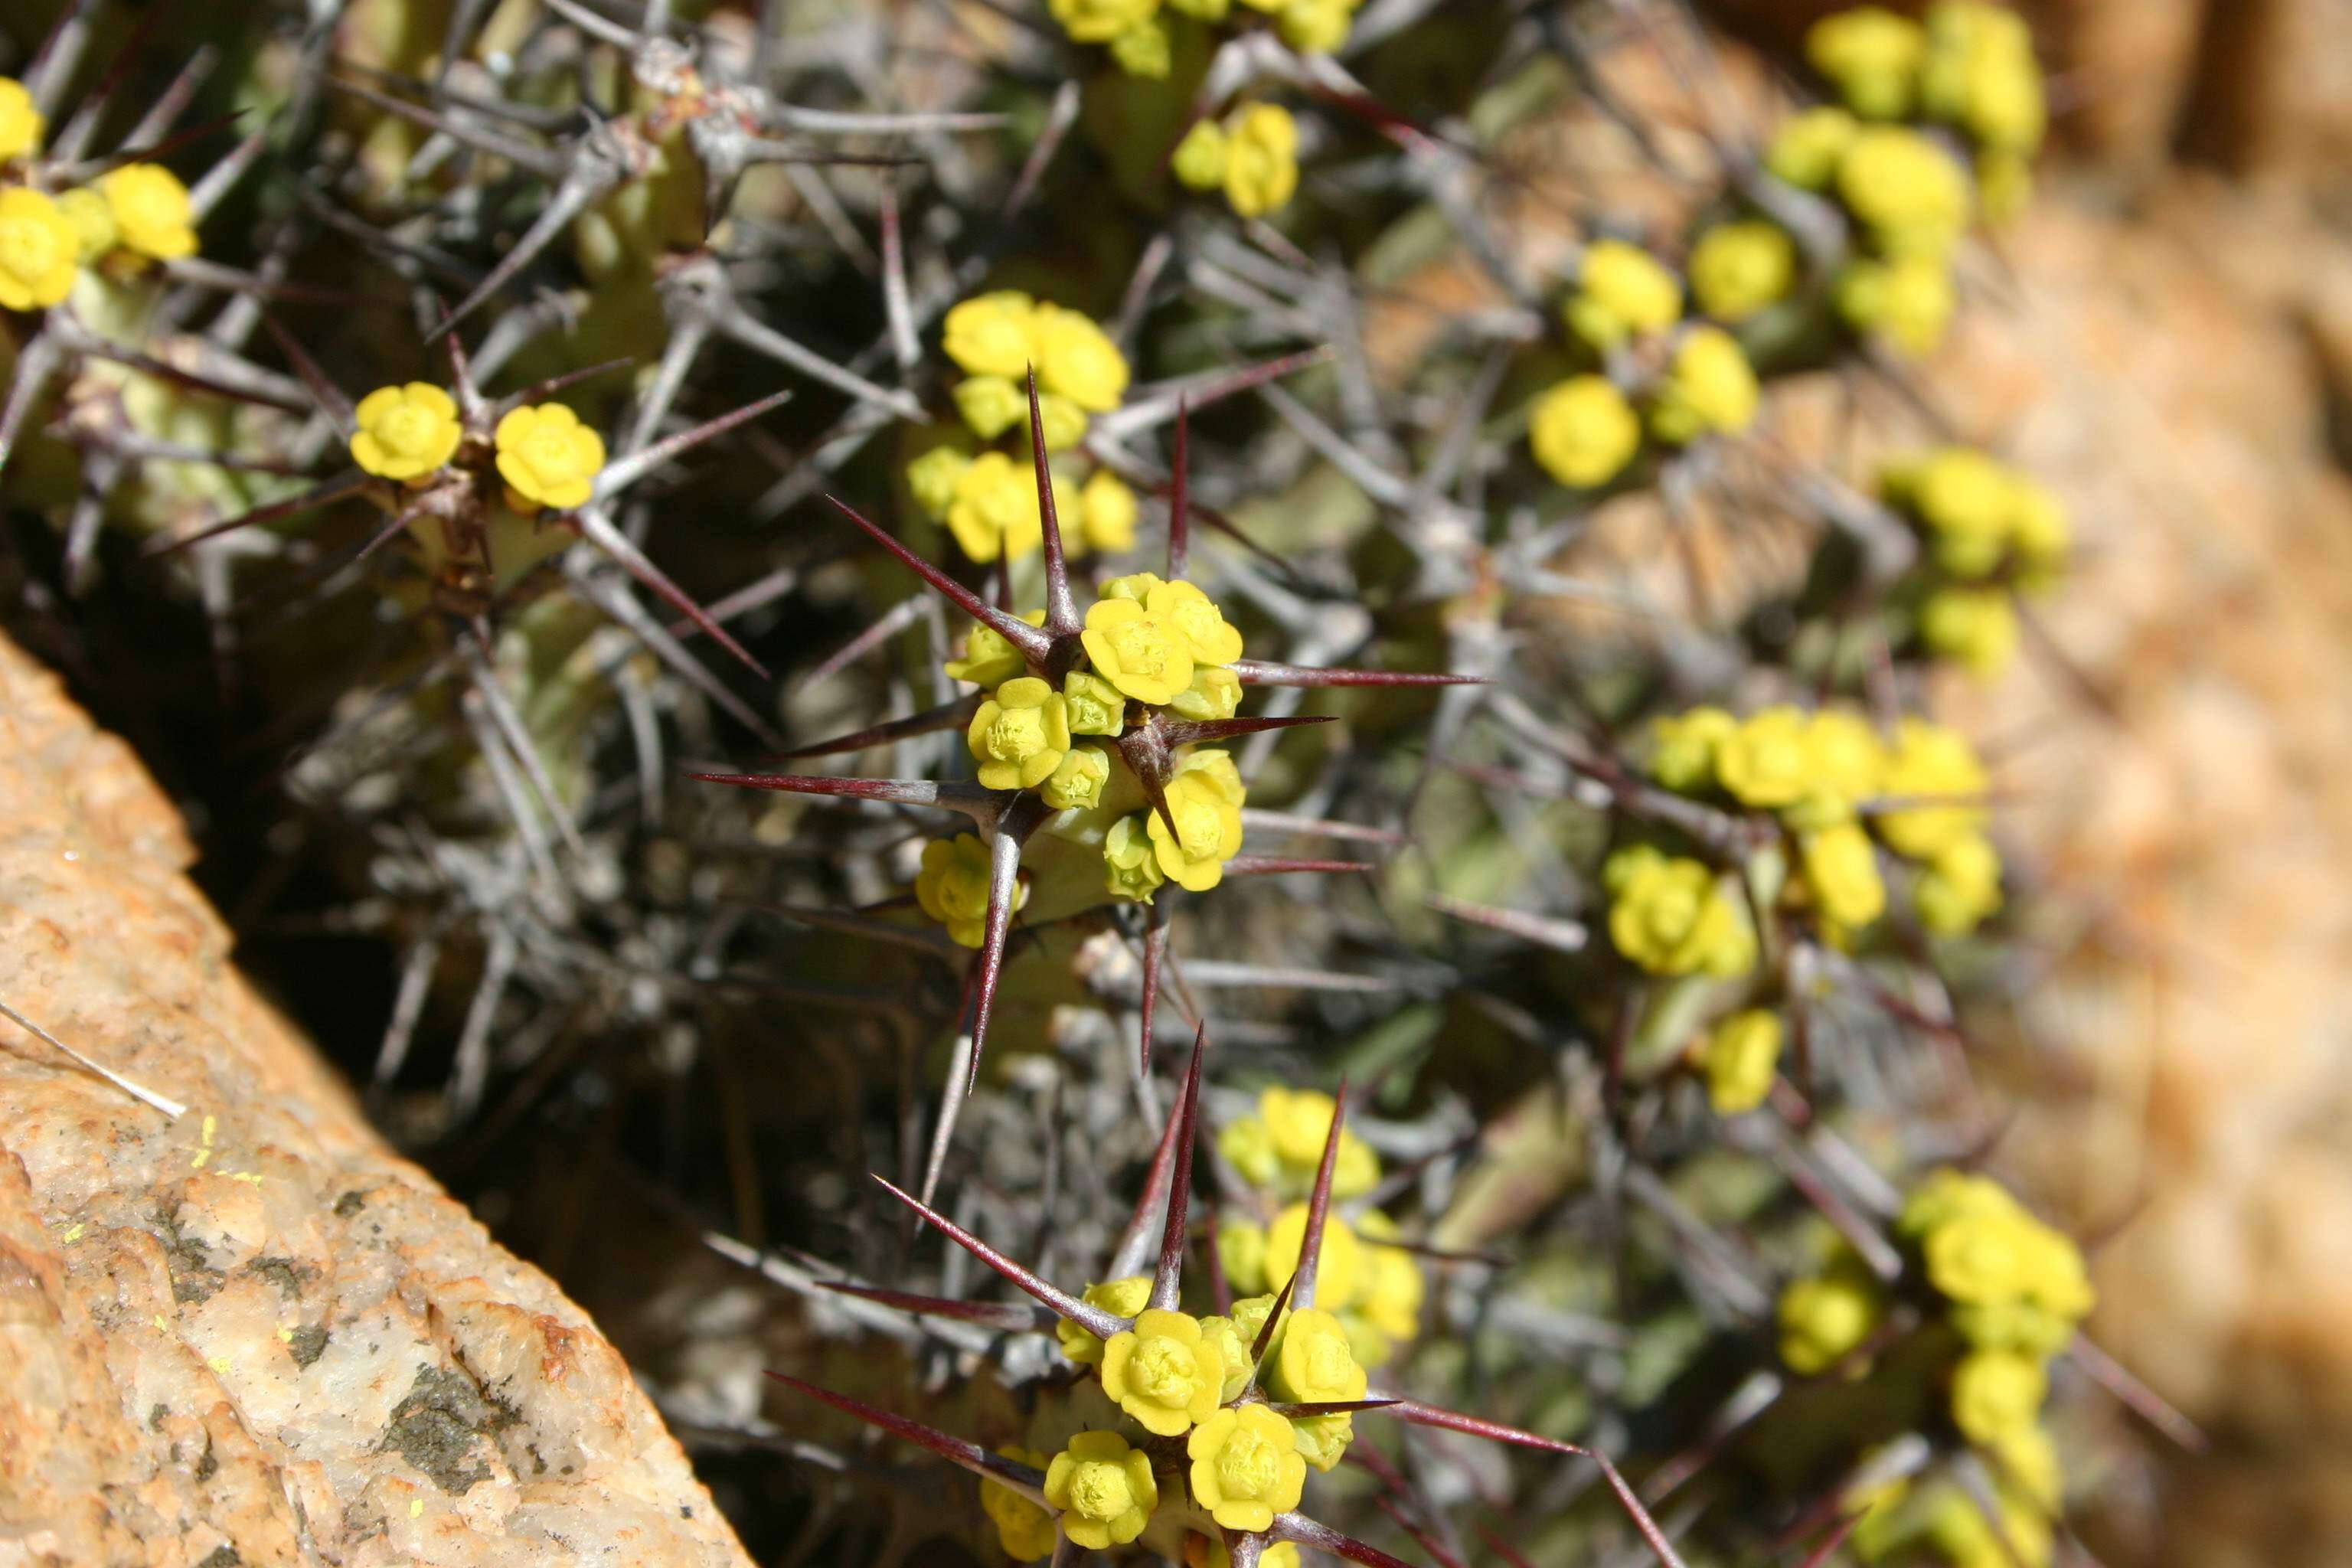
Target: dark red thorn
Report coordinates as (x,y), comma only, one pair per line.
(1422,1414)
(1266,1330)
(1193,732)
(555,383)
(1128,1256)
(1061,607)
(1032,641)
(318,495)
(1331,1407)
(1155,954)
(1298,1528)
(1260,672)
(1282,864)
(1168,1280)
(1096,1321)
(192,380)
(598,531)
(1009,1316)
(623,472)
(1145,754)
(901,792)
(888,625)
(1319,1203)
(1029,1482)
(947,716)
(1835,1539)
(390,530)
(156,152)
(328,394)
(1180,511)
(925,938)
(1011,830)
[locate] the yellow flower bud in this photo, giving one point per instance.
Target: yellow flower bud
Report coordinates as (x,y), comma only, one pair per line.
(1125,1298)
(405,432)
(1323,1439)
(1584,431)
(38,248)
(1132,865)
(1197,619)
(1622,289)
(1806,150)
(152,216)
(1019,735)
(1907,303)
(2039,532)
(1947,1193)
(1739,269)
(952,887)
(1026,1530)
(1872,57)
(1139,650)
(1077,360)
(1931,764)
(1077,780)
(1976,628)
(548,457)
(1710,387)
(1981,75)
(1107,512)
(1240,1249)
(990,405)
(1683,747)
(1245,1467)
(1907,191)
(1670,917)
(1063,423)
(1135,585)
(1338,1267)
(1844,757)
(1842,874)
(1315,27)
(1741,1059)
(1100,21)
(1298,1123)
(1393,1286)
(932,479)
(1092,705)
(1142,50)
(1215,693)
(1199,159)
(1262,158)
(21,124)
(989,334)
(93,222)
(988,659)
(1208,832)
(1968,504)
(1825,1318)
(995,509)
(1163,1372)
(1104,1489)
(1996,1392)
(1312,1361)
(1766,762)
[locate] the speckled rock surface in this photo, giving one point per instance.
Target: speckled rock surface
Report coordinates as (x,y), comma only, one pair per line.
(248,1334)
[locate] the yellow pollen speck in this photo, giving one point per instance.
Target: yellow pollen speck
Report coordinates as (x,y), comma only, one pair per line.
(202,1155)
(252,1176)
(220,1363)
(285,1336)
(416,1507)
(159,1322)
(210,1122)
(75,1234)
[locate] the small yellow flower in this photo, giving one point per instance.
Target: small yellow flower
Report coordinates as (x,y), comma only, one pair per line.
(1316,26)
(1208,831)
(995,509)
(1107,512)
(1143,50)
(1100,21)
(1163,1372)
(1131,867)
(1338,1266)
(38,246)
(1622,290)
(1312,1361)
(1907,303)
(1140,651)
(1247,1145)
(1245,1467)
(21,124)
(1806,150)
(1709,387)
(1078,780)
(1298,1123)
(1741,1059)
(1125,1298)
(1077,360)
(152,216)
(1027,1531)
(405,432)
(1981,75)
(547,457)
(1671,917)
(1134,585)
(1019,735)
(1976,628)
(1104,1489)
(1968,503)
(1393,1286)
(1948,1193)
(1872,57)
(1845,758)
(1912,195)
(1683,747)
(1842,873)
(1982,1255)
(1739,269)
(1197,620)
(1241,1253)
(990,405)
(1201,1550)
(1215,693)
(1824,1318)
(1584,431)
(1261,160)
(93,222)
(1932,764)
(1093,705)
(1766,762)
(988,659)
(2039,532)
(990,334)
(1996,1392)
(932,479)
(1323,1439)
(952,887)
(1199,159)
(1959,888)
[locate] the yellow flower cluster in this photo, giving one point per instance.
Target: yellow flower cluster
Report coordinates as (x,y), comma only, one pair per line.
(21,124)
(38,248)
(1281,1147)
(1968,64)
(1621,291)
(952,887)
(1942,1519)
(1137,31)
(1251,156)
(1372,1284)
(1674,916)
(1585,430)
(1988,530)
(1817,771)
